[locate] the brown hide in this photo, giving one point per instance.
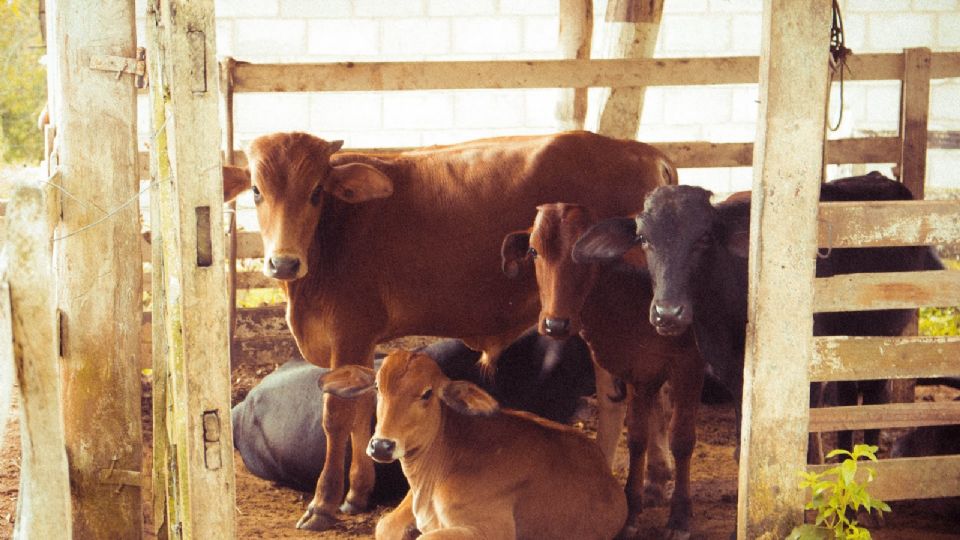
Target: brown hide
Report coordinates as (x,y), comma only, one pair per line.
(379,246)
(477,470)
(602,304)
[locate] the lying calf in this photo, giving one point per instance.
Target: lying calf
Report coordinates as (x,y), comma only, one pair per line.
(475,470)
(277,427)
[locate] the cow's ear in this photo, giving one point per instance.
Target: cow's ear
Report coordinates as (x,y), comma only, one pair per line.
(347,381)
(236,180)
(606,241)
(514,253)
(358,182)
(738,243)
(468,398)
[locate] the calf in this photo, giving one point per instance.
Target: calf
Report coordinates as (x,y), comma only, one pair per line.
(696,254)
(372,247)
(276,426)
(475,470)
(600,304)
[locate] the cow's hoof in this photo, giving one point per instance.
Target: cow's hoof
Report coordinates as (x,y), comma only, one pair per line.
(314,520)
(676,534)
(656,494)
(631,529)
(350,508)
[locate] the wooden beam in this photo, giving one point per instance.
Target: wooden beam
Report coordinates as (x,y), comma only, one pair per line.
(891,415)
(201,482)
(914,108)
(788,165)
(226,102)
(377,76)
(632,29)
(576,37)
(97,262)
(887,290)
(889,223)
(30,346)
(910,478)
(844,358)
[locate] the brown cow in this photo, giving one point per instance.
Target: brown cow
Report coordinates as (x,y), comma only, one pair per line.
(598,302)
(475,470)
(373,247)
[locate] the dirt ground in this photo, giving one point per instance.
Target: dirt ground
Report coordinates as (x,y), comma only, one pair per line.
(266,511)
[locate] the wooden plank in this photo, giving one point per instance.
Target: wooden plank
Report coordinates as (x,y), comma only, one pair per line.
(889,223)
(29,313)
(887,290)
(97,262)
(575,37)
(632,32)
(845,358)
(245,280)
(196,311)
(891,415)
(226,102)
(914,107)
(375,76)
(788,165)
(910,478)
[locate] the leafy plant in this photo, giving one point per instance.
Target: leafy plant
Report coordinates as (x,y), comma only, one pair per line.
(837,497)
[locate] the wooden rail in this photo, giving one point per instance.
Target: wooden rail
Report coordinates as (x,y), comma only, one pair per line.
(911,478)
(886,290)
(892,415)
(884,224)
(844,358)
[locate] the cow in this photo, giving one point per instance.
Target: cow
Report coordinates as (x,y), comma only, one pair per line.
(477,470)
(369,247)
(696,253)
(602,304)
(928,441)
(276,427)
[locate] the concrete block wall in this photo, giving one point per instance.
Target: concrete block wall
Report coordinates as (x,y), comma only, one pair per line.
(382,30)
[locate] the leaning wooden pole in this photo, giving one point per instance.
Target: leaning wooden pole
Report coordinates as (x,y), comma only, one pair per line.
(788,166)
(97,261)
(576,38)
(200,483)
(28,312)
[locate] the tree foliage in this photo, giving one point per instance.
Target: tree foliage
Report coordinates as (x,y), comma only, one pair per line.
(22,82)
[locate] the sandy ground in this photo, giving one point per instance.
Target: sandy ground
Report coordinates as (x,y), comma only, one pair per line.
(267,511)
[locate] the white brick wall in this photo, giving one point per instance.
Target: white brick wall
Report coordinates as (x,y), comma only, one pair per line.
(384,30)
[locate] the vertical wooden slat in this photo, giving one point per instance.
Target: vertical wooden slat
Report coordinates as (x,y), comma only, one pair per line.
(97,264)
(576,36)
(914,105)
(226,99)
(29,313)
(788,166)
(634,27)
(200,475)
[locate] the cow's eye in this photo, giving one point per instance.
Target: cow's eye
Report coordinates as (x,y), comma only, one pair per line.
(426,394)
(257,196)
(315,196)
(642,240)
(532,252)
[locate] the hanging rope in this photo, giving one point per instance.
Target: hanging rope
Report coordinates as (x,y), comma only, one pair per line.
(838,55)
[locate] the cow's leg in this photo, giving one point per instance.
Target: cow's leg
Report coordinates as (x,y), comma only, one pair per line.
(815,440)
(660,463)
(874,393)
(361,467)
(400,524)
(847,395)
(611,409)
(687,384)
(642,398)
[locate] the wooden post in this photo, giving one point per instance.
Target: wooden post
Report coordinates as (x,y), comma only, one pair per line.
(576,36)
(200,478)
(914,106)
(638,23)
(788,166)
(226,99)
(43,506)
(97,261)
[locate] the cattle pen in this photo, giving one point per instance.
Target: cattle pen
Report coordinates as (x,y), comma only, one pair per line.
(82,452)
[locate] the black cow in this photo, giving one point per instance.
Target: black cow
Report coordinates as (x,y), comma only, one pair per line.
(277,427)
(696,253)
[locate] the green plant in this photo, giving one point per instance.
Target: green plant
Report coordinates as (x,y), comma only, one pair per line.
(837,497)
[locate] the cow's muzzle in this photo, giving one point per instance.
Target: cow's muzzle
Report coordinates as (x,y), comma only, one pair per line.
(557,328)
(382,450)
(283,267)
(669,319)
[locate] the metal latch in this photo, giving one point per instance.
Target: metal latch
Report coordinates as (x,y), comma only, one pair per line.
(120,65)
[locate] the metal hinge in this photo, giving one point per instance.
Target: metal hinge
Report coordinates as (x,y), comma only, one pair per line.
(120,65)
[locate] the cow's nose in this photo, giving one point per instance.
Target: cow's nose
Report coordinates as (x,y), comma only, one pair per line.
(283,267)
(557,327)
(381,450)
(666,312)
